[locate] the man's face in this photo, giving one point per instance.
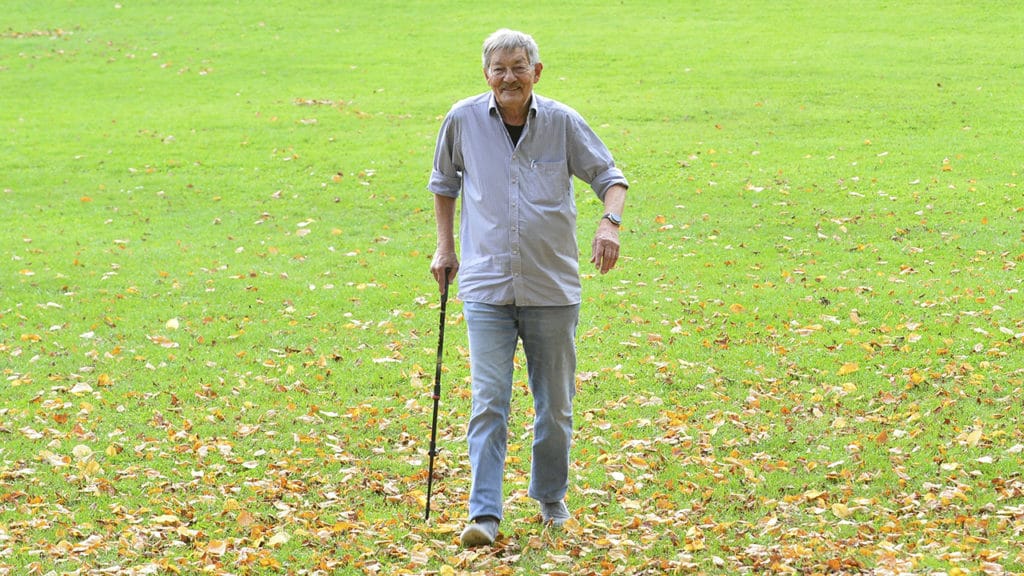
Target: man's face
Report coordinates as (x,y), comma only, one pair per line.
(511,78)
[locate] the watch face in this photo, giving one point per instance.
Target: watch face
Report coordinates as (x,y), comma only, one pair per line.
(614,218)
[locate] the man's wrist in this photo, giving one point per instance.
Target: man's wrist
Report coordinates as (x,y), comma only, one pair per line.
(613,218)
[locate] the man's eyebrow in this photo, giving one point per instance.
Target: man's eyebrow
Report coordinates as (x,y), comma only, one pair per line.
(521,61)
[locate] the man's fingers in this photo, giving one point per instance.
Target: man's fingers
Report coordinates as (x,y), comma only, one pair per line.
(605,254)
(437,270)
(609,260)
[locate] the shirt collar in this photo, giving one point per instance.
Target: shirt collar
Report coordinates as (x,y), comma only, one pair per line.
(492,104)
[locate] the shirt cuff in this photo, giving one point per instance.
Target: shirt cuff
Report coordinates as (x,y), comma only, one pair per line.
(445,185)
(606,180)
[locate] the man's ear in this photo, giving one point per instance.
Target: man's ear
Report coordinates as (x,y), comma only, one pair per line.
(536,71)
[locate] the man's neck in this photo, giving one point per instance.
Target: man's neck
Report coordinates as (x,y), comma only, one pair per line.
(514,117)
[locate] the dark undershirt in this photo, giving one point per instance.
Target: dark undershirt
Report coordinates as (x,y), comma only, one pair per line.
(514,132)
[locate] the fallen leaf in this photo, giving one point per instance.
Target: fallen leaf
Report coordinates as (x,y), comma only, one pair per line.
(974,437)
(841,510)
(848,368)
(279,539)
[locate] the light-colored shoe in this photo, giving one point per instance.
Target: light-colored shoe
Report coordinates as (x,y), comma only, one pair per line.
(480,532)
(554,513)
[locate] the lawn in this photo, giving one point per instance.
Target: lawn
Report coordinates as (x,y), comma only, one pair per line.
(218,327)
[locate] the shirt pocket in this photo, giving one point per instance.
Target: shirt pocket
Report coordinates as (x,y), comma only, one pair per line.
(547,183)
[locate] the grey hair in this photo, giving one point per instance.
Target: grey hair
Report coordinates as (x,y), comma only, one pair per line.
(506,39)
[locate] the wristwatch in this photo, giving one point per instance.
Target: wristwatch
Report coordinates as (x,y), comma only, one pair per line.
(613,218)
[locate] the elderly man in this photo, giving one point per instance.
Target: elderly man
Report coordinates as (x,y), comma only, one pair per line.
(511,155)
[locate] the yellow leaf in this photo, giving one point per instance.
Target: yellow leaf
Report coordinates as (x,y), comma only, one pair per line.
(90,468)
(974,437)
(279,539)
(848,368)
(736,308)
(813,494)
(841,510)
(217,547)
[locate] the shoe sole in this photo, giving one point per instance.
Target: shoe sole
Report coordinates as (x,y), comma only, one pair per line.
(475,536)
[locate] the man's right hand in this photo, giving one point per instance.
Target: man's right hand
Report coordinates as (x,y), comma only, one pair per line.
(444,261)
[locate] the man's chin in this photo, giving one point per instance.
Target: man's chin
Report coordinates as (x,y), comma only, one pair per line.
(512,98)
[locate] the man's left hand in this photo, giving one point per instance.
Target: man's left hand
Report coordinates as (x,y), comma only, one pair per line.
(605,249)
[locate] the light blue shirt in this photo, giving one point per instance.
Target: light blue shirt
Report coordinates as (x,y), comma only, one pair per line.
(518,222)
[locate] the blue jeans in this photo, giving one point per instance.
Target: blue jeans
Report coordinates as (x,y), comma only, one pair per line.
(548,334)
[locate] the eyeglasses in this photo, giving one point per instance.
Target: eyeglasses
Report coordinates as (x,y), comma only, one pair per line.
(518,71)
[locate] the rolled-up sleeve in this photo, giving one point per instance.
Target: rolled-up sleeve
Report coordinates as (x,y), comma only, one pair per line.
(446,176)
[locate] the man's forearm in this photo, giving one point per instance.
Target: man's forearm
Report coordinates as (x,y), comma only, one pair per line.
(444,215)
(615,199)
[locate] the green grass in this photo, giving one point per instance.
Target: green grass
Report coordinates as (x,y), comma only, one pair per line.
(217,325)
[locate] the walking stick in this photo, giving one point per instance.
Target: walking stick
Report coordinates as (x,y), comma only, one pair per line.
(437,389)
